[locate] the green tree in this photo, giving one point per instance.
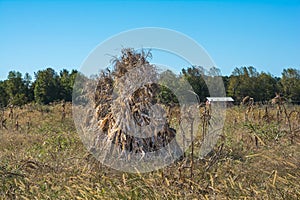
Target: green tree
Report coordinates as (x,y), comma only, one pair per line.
(243,82)
(46,86)
(196,77)
(3,95)
(290,83)
(66,82)
(168,86)
(226,83)
(214,82)
(15,88)
(266,87)
(29,87)
(79,94)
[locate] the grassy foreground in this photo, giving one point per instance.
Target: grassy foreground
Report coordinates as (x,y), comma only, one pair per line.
(44,158)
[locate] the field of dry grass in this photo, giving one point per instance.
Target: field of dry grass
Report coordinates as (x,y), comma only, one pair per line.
(44,158)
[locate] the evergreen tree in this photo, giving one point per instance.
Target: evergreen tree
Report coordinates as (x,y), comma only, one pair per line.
(3,95)
(66,82)
(15,88)
(290,83)
(46,87)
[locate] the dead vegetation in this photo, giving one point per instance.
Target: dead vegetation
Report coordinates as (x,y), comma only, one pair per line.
(132,79)
(49,161)
(125,110)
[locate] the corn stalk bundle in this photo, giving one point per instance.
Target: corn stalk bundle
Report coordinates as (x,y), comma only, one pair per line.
(126,106)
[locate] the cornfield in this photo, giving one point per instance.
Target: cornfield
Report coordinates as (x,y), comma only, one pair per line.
(42,156)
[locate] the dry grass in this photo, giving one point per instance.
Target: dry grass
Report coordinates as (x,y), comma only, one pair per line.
(48,161)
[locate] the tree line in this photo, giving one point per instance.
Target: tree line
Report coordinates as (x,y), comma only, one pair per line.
(50,86)
(247,81)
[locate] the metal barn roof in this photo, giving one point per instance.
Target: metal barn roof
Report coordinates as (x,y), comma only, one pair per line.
(222,99)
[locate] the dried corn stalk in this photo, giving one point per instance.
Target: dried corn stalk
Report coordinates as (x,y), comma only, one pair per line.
(126,106)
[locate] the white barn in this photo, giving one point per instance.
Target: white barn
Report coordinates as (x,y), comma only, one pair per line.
(228,101)
(219,99)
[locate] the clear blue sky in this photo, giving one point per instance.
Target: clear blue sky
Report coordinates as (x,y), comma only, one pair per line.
(60,34)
